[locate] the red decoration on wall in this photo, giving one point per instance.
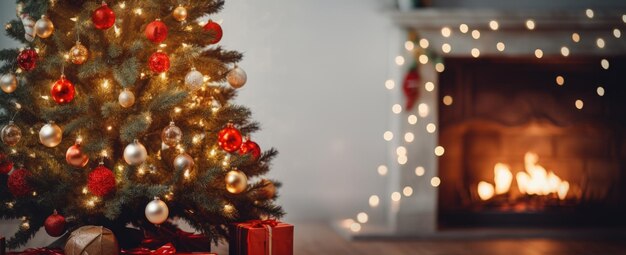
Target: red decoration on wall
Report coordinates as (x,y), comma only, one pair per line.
(251,148)
(410,87)
(156,31)
(159,62)
(55,225)
(6,165)
(103,17)
(27,60)
(18,183)
(229,138)
(215,30)
(63,91)
(101,181)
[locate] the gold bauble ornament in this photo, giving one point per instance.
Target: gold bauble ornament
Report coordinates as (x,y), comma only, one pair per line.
(76,157)
(11,134)
(44,27)
(172,135)
(79,53)
(236,182)
(184,163)
(157,211)
(135,153)
(180,13)
(126,98)
(8,83)
(268,191)
(237,77)
(50,135)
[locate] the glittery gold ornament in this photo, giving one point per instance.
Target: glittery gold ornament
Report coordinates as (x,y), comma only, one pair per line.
(236,181)
(180,13)
(8,83)
(44,27)
(79,53)
(237,77)
(11,134)
(157,211)
(50,135)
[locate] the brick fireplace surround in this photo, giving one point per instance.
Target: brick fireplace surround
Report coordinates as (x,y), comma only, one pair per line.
(478,130)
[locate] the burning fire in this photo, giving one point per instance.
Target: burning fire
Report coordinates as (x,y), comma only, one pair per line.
(536,180)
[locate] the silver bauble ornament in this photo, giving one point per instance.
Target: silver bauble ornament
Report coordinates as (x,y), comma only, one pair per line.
(126,99)
(194,79)
(236,182)
(50,135)
(135,153)
(157,211)
(44,27)
(171,135)
(76,157)
(180,13)
(184,163)
(11,134)
(8,83)
(237,77)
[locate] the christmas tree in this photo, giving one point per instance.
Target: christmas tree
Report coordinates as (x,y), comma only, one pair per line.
(120,112)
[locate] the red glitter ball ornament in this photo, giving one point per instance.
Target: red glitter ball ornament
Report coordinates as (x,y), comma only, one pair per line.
(6,165)
(215,30)
(156,31)
(18,183)
(55,225)
(103,17)
(251,148)
(63,91)
(159,62)
(27,60)
(229,138)
(101,181)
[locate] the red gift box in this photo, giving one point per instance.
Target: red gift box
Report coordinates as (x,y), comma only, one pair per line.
(261,238)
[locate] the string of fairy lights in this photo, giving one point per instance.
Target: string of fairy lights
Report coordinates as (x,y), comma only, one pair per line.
(423,109)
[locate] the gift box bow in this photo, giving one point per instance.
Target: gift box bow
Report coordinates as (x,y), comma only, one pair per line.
(165,249)
(180,240)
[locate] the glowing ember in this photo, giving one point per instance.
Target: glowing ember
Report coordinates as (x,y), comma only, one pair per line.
(536,180)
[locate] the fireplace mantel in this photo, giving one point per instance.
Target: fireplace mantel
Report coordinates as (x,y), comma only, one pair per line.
(553,30)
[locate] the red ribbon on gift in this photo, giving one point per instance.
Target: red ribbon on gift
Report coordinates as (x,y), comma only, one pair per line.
(165,249)
(262,223)
(268,225)
(38,251)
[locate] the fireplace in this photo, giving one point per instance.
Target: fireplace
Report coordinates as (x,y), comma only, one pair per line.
(532,142)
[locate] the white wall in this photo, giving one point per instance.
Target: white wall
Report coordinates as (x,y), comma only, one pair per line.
(316,83)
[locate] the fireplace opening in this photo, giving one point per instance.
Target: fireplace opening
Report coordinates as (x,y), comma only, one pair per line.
(532,142)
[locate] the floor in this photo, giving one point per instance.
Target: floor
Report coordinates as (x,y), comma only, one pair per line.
(320,239)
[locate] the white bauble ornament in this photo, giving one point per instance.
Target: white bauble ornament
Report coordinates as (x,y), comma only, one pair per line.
(44,27)
(8,83)
(135,153)
(29,27)
(194,79)
(157,211)
(183,163)
(50,135)
(126,99)
(237,77)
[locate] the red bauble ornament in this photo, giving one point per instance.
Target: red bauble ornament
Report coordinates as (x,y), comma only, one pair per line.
(6,165)
(101,181)
(63,91)
(159,62)
(55,225)
(156,31)
(18,183)
(251,148)
(103,17)
(27,60)
(215,30)
(229,138)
